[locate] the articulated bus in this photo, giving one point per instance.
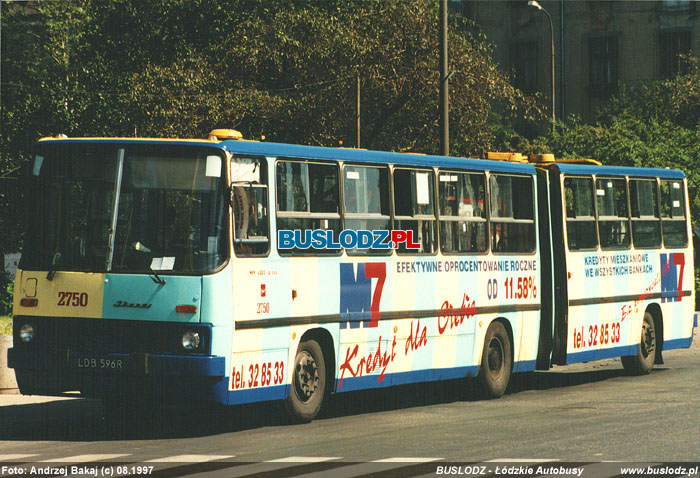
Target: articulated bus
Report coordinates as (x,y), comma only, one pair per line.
(238,271)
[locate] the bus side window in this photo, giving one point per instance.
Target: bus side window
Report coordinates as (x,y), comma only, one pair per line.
(462,213)
(414,191)
(646,228)
(580,214)
(673,214)
(307,199)
(249,203)
(613,220)
(511,205)
(366,201)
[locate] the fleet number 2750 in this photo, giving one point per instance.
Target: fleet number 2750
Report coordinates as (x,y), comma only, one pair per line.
(72,299)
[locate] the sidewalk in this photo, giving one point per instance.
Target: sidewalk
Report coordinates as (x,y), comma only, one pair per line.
(7,375)
(8,399)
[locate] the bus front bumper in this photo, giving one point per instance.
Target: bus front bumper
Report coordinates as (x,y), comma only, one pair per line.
(56,371)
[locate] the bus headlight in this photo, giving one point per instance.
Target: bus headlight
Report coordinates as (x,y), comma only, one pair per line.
(190,340)
(26,333)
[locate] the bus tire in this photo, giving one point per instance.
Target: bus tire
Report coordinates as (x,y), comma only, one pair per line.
(643,362)
(496,361)
(308,386)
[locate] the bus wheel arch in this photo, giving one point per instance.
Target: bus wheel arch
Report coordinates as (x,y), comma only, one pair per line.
(324,338)
(310,371)
(496,359)
(643,361)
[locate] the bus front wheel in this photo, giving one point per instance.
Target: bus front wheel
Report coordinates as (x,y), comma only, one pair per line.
(308,382)
(496,361)
(643,362)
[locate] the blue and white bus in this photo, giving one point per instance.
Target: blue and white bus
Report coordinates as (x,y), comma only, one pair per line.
(238,271)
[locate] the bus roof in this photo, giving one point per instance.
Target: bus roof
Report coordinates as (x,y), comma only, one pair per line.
(620,171)
(321,153)
(63,139)
(369,156)
(378,157)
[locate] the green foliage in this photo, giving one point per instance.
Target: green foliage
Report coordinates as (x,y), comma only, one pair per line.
(6,291)
(288,73)
(282,69)
(653,125)
(5,326)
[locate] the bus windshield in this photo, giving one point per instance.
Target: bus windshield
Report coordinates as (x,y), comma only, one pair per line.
(101,207)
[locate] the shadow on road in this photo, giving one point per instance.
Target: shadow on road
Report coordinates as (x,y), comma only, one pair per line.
(435,393)
(558,379)
(86,419)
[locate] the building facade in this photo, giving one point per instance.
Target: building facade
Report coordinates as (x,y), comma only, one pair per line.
(599,45)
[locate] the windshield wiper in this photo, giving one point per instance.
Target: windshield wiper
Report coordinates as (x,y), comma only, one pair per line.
(54,266)
(154,276)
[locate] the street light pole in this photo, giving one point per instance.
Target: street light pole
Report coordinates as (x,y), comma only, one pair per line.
(534,3)
(444,84)
(357,108)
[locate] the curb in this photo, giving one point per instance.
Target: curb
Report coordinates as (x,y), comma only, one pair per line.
(8,384)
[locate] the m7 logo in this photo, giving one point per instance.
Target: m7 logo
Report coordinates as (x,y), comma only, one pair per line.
(671,278)
(357,303)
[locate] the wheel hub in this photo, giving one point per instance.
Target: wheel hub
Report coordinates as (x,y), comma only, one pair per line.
(307,377)
(495,357)
(647,340)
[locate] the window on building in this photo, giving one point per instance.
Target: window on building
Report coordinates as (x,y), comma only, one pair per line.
(603,65)
(675,5)
(523,60)
(468,9)
(672,46)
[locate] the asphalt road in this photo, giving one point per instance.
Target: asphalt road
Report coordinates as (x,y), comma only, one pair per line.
(581,413)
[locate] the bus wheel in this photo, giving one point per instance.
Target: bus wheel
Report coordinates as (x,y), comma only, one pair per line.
(496,361)
(643,362)
(308,382)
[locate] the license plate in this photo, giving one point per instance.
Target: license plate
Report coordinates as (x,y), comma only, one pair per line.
(100,363)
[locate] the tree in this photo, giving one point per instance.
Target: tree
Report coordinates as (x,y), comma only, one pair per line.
(282,69)
(653,125)
(288,73)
